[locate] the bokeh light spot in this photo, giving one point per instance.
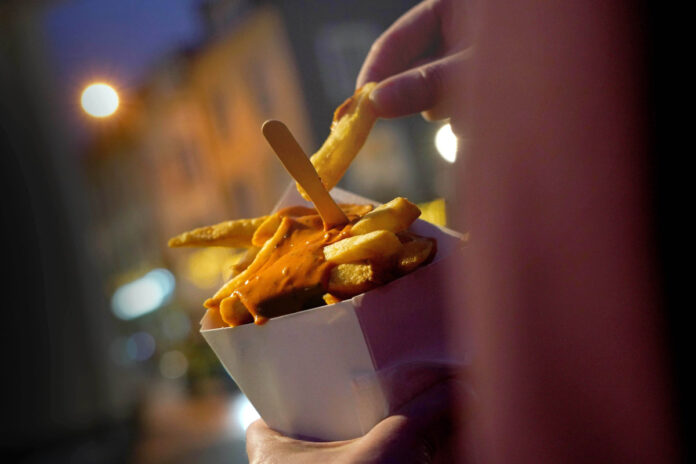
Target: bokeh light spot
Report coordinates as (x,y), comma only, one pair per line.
(143,295)
(446,143)
(99,100)
(140,346)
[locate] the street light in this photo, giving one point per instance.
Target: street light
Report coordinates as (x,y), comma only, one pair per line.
(99,100)
(446,143)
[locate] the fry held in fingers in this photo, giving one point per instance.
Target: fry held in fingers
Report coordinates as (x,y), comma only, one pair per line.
(352,123)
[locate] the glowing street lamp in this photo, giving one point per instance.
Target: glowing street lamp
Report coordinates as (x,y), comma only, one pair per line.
(446,143)
(99,100)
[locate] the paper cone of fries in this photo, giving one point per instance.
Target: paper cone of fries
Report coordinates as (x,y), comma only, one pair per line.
(298,370)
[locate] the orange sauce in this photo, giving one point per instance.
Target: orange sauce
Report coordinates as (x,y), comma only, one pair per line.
(295,275)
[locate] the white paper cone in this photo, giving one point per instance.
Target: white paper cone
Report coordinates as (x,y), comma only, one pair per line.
(298,370)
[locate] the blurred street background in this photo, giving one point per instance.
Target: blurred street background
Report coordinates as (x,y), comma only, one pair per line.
(104,362)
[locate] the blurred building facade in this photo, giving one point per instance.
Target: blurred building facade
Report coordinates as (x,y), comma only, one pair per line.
(188,152)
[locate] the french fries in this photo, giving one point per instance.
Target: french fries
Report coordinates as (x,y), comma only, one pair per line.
(236,234)
(379,244)
(356,210)
(352,122)
(266,230)
(394,216)
(260,259)
(271,223)
(373,249)
(244,261)
(415,253)
(352,279)
(330,299)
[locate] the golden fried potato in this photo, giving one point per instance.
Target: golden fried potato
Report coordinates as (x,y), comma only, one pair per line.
(379,244)
(351,125)
(233,312)
(394,216)
(414,253)
(261,257)
(247,257)
(349,209)
(356,210)
(297,211)
(235,234)
(351,279)
(266,230)
(330,299)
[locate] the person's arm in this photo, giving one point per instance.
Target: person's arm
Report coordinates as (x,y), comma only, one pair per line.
(562,289)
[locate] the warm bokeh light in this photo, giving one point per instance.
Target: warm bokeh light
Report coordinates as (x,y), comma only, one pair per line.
(99,100)
(204,265)
(446,143)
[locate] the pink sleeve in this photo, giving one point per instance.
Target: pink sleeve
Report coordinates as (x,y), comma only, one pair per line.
(561,290)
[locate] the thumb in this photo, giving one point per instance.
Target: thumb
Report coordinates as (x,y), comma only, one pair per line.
(433,88)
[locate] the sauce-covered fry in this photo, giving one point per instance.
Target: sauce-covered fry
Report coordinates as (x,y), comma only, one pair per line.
(293,263)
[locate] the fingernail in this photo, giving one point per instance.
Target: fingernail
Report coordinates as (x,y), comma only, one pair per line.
(380,97)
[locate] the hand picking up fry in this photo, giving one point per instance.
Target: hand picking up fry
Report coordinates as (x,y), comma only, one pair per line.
(352,122)
(298,265)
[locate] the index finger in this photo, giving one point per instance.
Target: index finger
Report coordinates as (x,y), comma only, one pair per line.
(404,43)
